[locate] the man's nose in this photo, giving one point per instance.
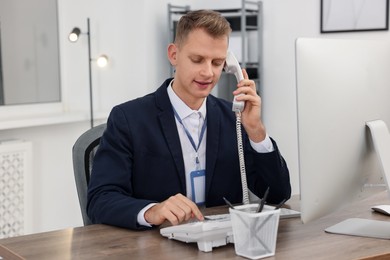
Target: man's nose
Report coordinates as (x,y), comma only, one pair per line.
(207,69)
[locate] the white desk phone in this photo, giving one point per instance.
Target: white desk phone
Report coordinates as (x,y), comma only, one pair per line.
(216,230)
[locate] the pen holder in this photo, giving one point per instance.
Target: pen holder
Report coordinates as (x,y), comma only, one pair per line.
(254,232)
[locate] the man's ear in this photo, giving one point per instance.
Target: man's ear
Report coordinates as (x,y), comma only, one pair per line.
(172,54)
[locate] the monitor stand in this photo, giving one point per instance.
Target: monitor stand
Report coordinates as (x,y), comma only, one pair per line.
(381,139)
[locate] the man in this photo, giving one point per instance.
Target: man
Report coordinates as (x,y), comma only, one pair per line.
(165,154)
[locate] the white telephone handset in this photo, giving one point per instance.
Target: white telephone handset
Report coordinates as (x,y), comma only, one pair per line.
(232,66)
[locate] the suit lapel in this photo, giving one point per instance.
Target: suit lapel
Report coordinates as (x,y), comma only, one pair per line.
(213,138)
(168,126)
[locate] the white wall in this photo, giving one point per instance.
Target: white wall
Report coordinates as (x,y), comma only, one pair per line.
(54,194)
(134,35)
(284,22)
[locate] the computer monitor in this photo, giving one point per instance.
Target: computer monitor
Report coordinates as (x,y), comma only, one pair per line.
(341,84)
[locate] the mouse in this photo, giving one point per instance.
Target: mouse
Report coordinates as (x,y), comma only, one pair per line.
(384,209)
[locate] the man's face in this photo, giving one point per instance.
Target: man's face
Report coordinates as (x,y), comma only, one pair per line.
(198,62)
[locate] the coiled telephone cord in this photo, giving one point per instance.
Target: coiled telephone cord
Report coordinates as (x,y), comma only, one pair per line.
(245,193)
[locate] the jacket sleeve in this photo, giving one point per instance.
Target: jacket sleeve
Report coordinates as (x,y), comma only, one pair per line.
(268,170)
(110,192)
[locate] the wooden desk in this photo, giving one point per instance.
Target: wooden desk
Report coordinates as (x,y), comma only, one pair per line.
(295,241)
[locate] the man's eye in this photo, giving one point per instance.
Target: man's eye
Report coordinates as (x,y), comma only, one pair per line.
(218,63)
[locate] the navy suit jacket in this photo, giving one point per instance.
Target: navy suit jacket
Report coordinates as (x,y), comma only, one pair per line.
(139,161)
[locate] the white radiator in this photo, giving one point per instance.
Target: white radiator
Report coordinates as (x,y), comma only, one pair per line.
(15,188)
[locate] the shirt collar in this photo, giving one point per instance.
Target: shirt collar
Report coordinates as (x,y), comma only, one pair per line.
(181,108)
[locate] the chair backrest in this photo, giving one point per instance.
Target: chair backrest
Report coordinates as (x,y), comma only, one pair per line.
(83,152)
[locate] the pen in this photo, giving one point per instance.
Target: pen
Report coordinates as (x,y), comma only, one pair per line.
(262,202)
(228,203)
(280,204)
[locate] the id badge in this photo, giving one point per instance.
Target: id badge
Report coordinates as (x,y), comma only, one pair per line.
(198,186)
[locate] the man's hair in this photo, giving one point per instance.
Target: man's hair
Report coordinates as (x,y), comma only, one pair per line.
(211,21)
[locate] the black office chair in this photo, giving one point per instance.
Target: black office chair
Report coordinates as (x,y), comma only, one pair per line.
(83,152)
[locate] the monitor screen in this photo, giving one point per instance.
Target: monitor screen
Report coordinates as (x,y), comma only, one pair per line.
(341,84)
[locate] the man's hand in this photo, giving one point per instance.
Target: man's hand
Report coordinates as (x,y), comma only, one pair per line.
(176,209)
(251,116)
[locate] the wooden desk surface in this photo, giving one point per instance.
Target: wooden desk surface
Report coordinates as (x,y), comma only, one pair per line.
(295,241)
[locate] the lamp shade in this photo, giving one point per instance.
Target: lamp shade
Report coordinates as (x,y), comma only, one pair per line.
(102,61)
(74,34)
